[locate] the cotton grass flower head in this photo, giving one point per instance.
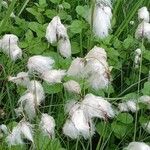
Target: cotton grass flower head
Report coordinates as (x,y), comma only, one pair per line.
(39,64)
(78,122)
(145,99)
(36,88)
(22,130)
(97,69)
(22,79)
(102,18)
(76,68)
(72,86)
(53,76)
(64,47)
(137,58)
(70,130)
(143,14)
(47,125)
(129,105)
(28,101)
(9,46)
(143,31)
(137,146)
(51,31)
(96,106)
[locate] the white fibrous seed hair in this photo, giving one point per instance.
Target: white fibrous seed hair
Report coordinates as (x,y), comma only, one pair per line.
(26,130)
(102,18)
(9,46)
(22,79)
(76,68)
(22,130)
(53,76)
(64,47)
(28,102)
(130,105)
(14,138)
(137,146)
(19,111)
(143,14)
(145,99)
(72,86)
(39,64)
(47,125)
(137,58)
(96,106)
(143,31)
(70,130)
(57,32)
(36,88)
(97,69)
(51,31)
(78,121)
(4,129)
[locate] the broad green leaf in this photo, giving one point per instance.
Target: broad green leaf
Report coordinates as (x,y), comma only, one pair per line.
(128,42)
(125,118)
(55,1)
(82,11)
(66,5)
(50,13)
(75,47)
(77,26)
(146,89)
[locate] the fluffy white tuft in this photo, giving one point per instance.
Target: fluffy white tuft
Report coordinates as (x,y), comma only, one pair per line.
(70,130)
(36,88)
(9,45)
(143,14)
(96,106)
(138,146)
(22,79)
(128,106)
(47,125)
(28,102)
(51,31)
(4,128)
(143,31)
(102,20)
(39,64)
(76,68)
(53,76)
(72,86)
(64,47)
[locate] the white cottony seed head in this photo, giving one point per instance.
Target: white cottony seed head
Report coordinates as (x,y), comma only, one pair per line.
(22,79)
(143,14)
(53,76)
(76,68)
(137,146)
(64,47)
(47,125)
(39,64)
(72,86)
(9,46)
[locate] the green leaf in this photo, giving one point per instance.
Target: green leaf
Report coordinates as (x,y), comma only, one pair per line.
(50,13)
(66,5)
(125,118)
(52,89)
(55,1)
(38,28)
(146,55)
(77,26)
(128,42)
(82,11)
(146,89)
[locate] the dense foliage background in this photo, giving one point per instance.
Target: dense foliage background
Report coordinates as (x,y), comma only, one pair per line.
(32,18)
